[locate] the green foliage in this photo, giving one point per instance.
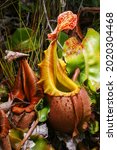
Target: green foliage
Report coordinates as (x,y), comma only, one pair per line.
(42,110)
(27,7)
(16,137)
(42,144)
(23,40)
(73,55)
(94,127)
(92,3)
(8,71)
(87,59)
(3,92)
(91,52)
(61,39)
(75,61)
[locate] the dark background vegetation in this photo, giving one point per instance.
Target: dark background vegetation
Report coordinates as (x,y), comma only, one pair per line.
(30,13)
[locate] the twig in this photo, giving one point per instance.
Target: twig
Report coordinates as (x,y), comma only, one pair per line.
(48,22)
(52,20)
(63,4)
(75,75)
(90,9)
(4,3)
(87,9)
(45,11)
(84,9)
(80,6)
(27,135)
(27,18)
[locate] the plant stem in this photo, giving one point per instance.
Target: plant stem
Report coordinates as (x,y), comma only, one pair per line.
(48,22)
(45,11)
(90,9)
(27,135)
(75,75)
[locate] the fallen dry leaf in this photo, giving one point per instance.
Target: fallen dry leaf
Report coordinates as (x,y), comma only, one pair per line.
(23,120)
(14,55)
(25,88)
(6,105)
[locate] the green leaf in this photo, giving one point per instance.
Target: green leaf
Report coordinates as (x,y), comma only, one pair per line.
(3,91)
(94,127)
(28,8)
(42,114)
(42,109)
(73,55)
(94,97)
(91,44)
(15,136)
(41,144)
(86,57)
(23,40)
(82,77)
(61,38)
(75,61)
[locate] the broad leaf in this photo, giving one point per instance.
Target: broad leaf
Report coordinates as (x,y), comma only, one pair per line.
(16,137)
(73,54)
(86,57)
(41,144)
(91,44)
(42,110)
(61,38)
(24,40)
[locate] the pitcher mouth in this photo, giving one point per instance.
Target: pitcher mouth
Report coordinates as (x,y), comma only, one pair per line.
(61,91)
(52,74)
